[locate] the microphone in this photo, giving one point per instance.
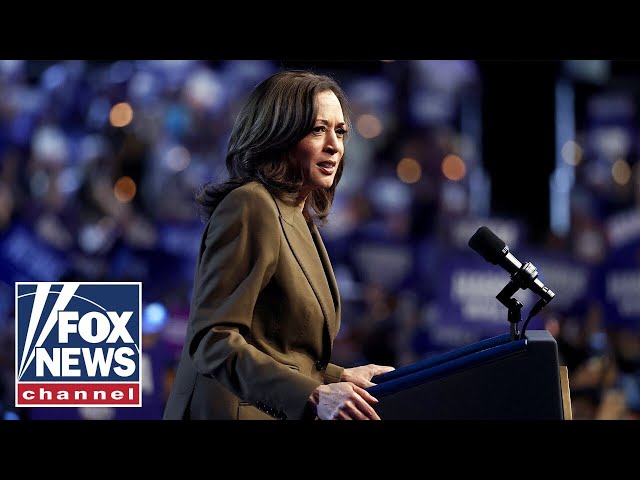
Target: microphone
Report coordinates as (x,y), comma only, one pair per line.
(495,251)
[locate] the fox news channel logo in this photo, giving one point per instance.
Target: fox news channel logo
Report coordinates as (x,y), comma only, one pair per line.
(78,344)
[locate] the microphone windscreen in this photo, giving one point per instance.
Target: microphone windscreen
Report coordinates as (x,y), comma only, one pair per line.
(487,244)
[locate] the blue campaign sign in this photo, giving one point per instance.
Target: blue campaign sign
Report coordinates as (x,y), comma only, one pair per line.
(508,230)
(620,287)
(391,265)
(466,299)
(180,239)
(26,257)
(158,270)
(572,280)
(623,229)
(620,277)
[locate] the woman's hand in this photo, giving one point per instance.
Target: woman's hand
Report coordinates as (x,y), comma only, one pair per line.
(343,401)
(361,376)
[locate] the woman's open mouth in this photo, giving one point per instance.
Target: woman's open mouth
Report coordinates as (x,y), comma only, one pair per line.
(328,167)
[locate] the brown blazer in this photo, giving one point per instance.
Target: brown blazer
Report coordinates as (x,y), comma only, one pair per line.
(264,313)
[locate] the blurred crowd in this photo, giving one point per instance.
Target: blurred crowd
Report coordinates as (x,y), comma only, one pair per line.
(99,162)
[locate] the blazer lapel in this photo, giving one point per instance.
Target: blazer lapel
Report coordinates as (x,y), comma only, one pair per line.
(310,260)
(328,270)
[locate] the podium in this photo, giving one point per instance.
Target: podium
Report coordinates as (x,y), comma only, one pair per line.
(494,379)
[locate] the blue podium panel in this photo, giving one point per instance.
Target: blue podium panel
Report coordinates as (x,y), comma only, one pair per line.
(495,379)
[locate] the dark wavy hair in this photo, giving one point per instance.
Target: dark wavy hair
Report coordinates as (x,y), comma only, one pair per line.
(278,113)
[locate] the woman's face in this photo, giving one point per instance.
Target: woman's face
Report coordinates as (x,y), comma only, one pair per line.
(319,153)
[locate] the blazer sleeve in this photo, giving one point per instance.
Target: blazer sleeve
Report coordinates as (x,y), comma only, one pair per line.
(237,260)
(333,373)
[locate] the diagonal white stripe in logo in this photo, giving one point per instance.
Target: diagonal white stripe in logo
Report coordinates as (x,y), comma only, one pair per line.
(67,292)
(42,292)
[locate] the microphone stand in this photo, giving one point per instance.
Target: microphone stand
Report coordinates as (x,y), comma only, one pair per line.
(521,279)
(514,308)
